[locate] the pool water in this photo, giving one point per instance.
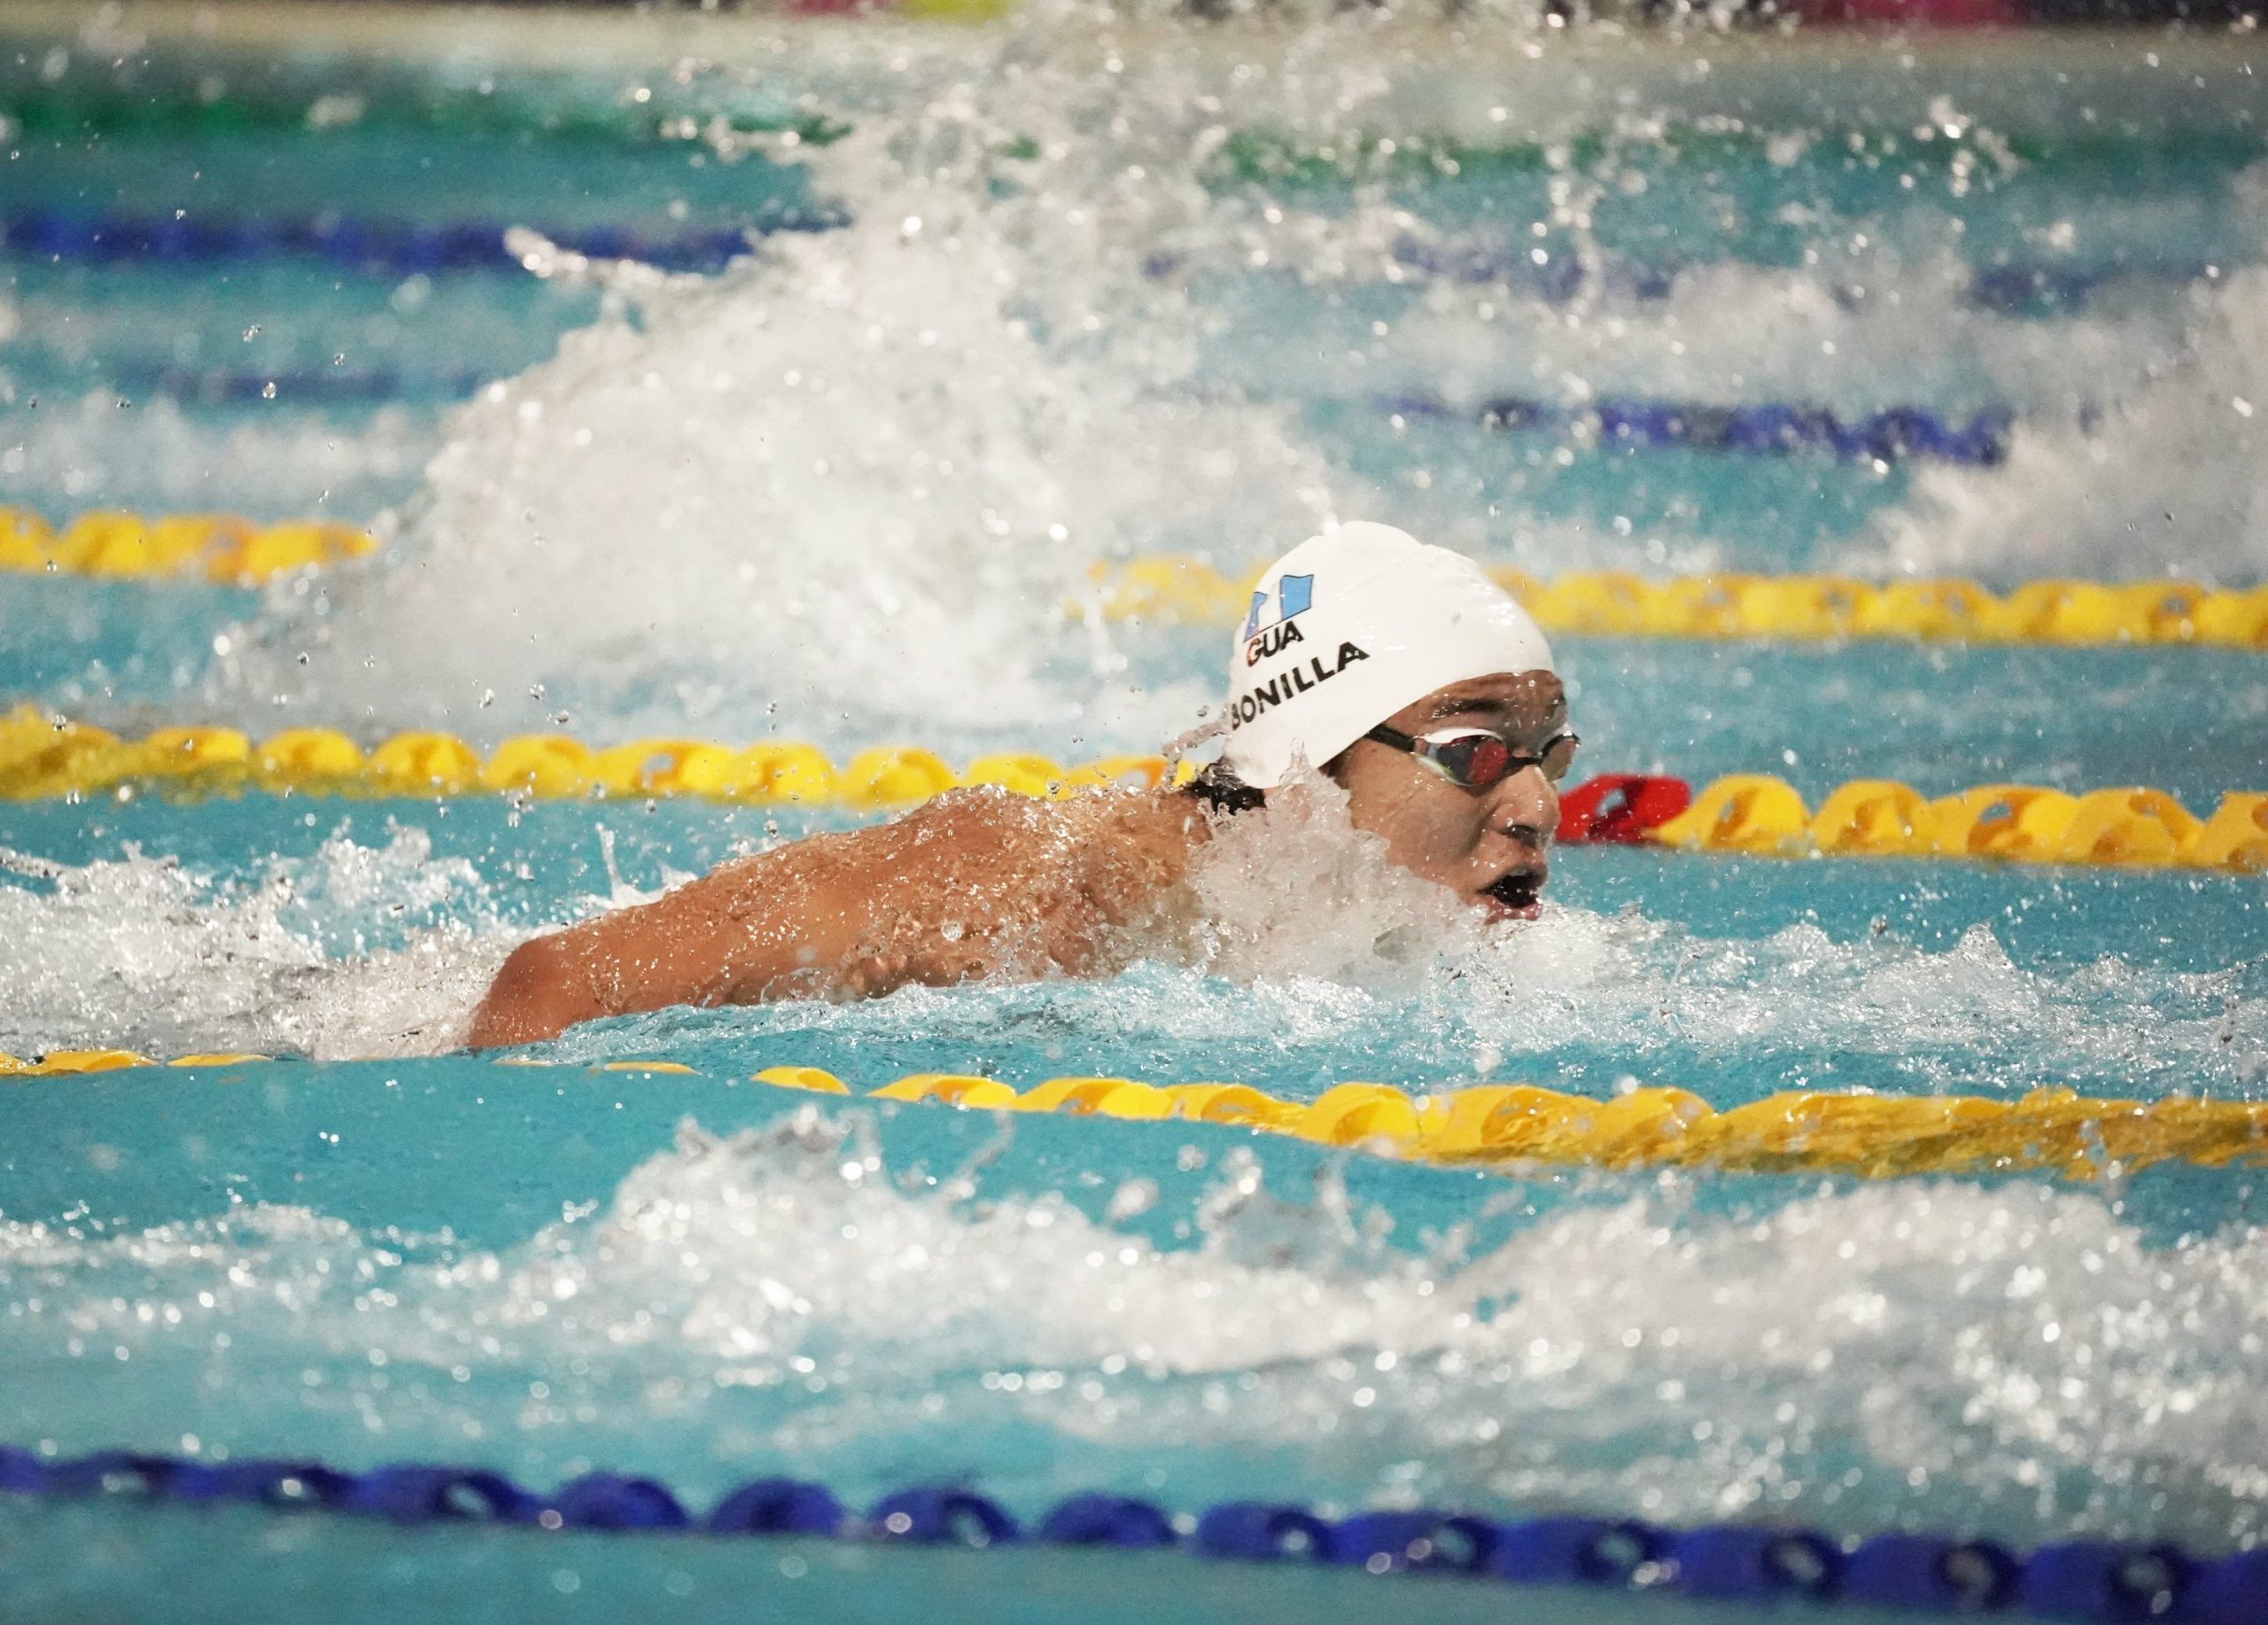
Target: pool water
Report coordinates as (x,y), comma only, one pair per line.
(1152,286)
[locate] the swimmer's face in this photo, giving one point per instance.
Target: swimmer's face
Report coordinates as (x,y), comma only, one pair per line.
(1487,846)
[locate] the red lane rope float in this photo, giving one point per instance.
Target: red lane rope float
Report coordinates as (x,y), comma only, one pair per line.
(1620,809)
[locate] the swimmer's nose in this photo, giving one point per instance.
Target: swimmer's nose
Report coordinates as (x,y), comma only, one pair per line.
(1526,807)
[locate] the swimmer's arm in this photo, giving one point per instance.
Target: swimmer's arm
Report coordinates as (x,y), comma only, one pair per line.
(764,925)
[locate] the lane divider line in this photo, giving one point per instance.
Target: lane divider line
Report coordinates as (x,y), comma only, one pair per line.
(1801,608)
(1756,815)
(2078,1580)
(139,103)
(116,545)
(2012,287)
(391,246)
(1896,434)
(1766,429)
(1176,588)
(376,243)
(2067,1580)
(1519,1126)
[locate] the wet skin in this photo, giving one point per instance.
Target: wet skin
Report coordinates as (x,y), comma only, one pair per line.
(979,882)
(1488,845)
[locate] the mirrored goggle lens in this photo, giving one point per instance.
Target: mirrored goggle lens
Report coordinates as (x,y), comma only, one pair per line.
(1482,759)
(1477,759)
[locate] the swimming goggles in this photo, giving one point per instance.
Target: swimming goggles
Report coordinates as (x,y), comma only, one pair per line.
(1476,758)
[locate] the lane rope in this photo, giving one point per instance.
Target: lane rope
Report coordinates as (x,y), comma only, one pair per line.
(1783,608)
(2011,287)
(221,548)
(43,756)
(1178,589)
(1767,430)
(132,99)
(1519,1126)
(75,112)
(1761,815)
(393,245)
(1897,434)
(396,247)
(1294,159)
(2078,1580)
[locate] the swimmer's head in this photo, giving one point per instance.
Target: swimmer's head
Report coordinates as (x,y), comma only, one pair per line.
(1388,663)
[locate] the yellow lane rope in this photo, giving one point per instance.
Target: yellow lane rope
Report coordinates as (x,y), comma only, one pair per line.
(2135,827)
(1752,814)
(1867,1136)
(1166,588)
(218,546)
(1781,608)
(43,756)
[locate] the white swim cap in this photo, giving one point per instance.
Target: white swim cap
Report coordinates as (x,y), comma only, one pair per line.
(1347,628)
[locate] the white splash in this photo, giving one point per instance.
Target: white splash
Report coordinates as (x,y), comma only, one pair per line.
(857,477)
(2169,483)
(2015,1358)
(357,951)
(155,455)
(1308,955)
(1860,332)
(1294,892)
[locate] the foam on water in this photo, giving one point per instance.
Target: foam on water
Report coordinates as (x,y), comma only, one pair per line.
(359,951)
(2013,1359)
(2170,482)
(857,477)
(95,450)
(1292,891)
(1863,331)
(1579,1000)
(1312,961)
(846,488)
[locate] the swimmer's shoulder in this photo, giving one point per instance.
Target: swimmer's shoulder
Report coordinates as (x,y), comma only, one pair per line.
(1104,835)
(1098,840)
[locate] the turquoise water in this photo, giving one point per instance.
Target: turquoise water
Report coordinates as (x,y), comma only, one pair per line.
(840,493)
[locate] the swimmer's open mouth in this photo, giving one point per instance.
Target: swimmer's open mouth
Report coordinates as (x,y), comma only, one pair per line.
(1518,893)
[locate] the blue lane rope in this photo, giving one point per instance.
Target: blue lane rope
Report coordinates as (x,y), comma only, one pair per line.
(403,246)
(1764,430)
(2013,288)
(2080,1580)
(391,246)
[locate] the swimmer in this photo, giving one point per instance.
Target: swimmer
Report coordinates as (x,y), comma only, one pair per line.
(1426,692)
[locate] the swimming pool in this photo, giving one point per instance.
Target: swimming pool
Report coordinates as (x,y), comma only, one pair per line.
(1158,288)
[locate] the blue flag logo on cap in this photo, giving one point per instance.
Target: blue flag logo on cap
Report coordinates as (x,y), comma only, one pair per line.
(1295,595)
